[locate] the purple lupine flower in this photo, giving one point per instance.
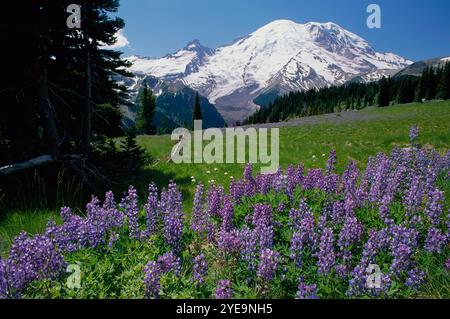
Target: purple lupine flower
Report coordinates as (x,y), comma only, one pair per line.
(324,219)
(304,235)
(151,210)
(262,222)
(154,270)
(169,262)
(350,204)
(279,182)
(435,240)
(152,277)
(314,179)
(378,241)
(414,196)
(113,217)
(173,217)
(227,214)
(200,269)
(385,211)
(306,291)
(263,184)
(394,181)
(330,183)
(296,216)
(413,135)
(447,264)
(224,290)
(358,285)
(291,180)
(268,264)
(416,278)
(300,172)
(326,255)
(281,207)
(297,248)
(403,245)
(350,178)
(199,217)
(250,184)
(331,162)
(229,242)
(66,214)
(130,206)
(249,248)
(110,202)
(237,190)
(358,281)
(214,199)
(12,280)
(337,212)
(32,258)
(350,235)
(434,206)
(379,179)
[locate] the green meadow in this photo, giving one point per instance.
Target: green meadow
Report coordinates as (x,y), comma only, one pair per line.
(374,130)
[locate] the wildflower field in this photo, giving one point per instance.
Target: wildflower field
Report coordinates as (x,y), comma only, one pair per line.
(304,232)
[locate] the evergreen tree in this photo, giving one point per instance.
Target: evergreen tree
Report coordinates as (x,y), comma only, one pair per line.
(443,91)
(431,84)
(383,93)
(133,155)
(197,111)
(62,80)
(406,91)
(148,107)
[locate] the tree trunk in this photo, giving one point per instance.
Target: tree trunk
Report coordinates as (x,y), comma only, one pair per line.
(45,107)
(87,107)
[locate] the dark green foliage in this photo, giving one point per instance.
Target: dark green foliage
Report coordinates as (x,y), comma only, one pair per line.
(443,90)
(383,98)
(60,98)
(148,106)
(175,110)
(197,112)
(316,102)
(133,155)
(46,92)
(406,91)
(434,83)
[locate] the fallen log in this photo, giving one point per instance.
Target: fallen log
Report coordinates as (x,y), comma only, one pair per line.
(26,165)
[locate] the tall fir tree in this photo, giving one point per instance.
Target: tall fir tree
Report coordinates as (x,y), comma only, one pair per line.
(431,84)
(197,111)
(147,112)
(63,84)
(383,93)
(443,90)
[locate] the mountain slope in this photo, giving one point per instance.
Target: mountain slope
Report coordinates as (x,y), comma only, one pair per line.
(417,68)
(174,104)
(281,56)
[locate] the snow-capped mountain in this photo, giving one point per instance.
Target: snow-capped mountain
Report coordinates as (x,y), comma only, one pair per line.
(281,56)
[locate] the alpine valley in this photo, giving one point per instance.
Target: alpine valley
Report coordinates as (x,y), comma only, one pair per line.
(280,57)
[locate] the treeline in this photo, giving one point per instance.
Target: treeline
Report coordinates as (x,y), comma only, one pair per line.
(433,84)
(60,104)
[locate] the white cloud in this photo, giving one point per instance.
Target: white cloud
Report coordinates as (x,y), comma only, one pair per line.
(121,41)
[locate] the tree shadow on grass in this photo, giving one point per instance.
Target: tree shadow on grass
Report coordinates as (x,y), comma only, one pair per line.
(146,176)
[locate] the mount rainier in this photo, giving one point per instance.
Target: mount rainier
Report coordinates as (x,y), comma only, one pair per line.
(280,57)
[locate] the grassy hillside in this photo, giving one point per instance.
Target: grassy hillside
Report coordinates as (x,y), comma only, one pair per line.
(373,130)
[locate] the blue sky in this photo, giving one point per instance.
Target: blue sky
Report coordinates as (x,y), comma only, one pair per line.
(415,29)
